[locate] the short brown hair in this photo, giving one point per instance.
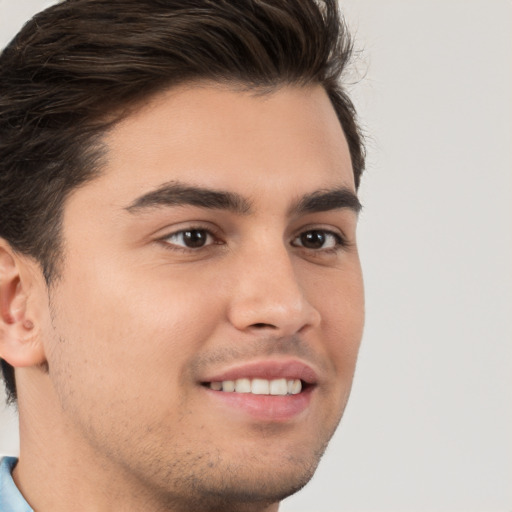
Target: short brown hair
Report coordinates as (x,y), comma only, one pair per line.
(76,64)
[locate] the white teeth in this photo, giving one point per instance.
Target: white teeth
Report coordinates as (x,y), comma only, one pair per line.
(277,387)
(296,387)
(228,385)
(260,387)
(243,386)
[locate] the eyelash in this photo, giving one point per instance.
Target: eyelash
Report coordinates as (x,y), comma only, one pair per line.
(182,248)
(339,240)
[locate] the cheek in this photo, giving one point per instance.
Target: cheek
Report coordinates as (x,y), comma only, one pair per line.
(135,332)
(342,308)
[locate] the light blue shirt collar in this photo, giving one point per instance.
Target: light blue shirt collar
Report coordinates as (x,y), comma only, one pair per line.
(11,499)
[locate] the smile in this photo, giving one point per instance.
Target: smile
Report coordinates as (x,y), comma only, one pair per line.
(276,387)
(276,391)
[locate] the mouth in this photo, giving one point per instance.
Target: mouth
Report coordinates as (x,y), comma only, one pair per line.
(274,387)
(268,391)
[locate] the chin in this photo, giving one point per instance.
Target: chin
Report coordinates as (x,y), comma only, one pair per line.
(235,492)
(254,483)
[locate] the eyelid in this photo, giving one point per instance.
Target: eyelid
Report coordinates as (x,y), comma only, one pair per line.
(209,238)
(211,231)
(336,232)
(179,227)
(342,241)
(339,240)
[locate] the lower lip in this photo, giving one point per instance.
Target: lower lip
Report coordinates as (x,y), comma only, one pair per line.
(267,408)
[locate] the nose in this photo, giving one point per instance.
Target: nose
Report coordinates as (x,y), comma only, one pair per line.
(268,295)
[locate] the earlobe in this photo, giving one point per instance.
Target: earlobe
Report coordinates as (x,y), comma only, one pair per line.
(20,343)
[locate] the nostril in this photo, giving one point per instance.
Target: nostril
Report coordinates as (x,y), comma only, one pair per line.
(263,326)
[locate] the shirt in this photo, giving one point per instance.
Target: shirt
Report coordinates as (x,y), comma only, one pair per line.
(11,499)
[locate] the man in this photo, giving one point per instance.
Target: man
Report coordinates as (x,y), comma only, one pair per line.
(180,291)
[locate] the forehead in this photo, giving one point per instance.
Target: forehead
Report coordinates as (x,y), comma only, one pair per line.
(219,137)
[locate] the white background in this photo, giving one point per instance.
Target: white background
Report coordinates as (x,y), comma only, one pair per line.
(429,424)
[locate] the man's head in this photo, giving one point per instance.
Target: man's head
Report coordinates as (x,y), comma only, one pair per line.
(178,212)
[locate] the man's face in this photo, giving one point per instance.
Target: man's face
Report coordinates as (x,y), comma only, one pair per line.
(217,249)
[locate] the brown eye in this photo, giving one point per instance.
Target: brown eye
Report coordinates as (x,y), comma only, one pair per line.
(313,239)
(318,239)
(195,238)
(191,238)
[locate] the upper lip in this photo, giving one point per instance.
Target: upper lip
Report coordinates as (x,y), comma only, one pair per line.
(267,369)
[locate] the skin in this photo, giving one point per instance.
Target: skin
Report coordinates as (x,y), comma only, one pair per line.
(110,360)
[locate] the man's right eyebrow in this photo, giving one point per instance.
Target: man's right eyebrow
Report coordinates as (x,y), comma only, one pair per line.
(177,194)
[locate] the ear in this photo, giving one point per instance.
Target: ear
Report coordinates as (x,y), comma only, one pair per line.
(20,340)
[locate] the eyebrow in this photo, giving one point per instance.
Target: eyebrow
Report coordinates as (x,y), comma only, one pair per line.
(177,194)
(325,200)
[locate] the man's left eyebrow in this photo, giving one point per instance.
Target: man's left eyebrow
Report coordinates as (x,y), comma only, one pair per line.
(325,200)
